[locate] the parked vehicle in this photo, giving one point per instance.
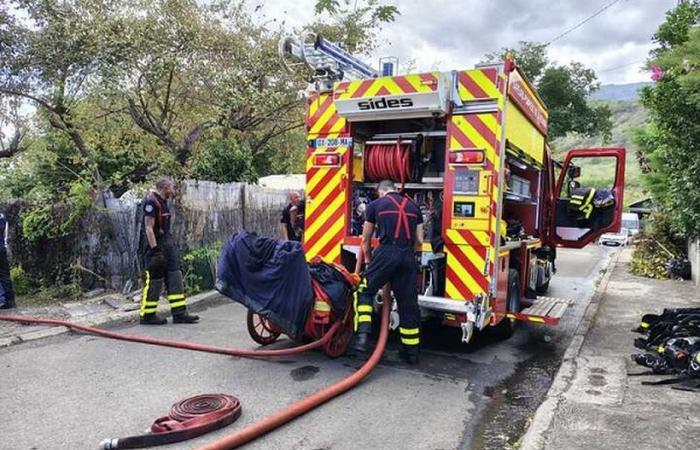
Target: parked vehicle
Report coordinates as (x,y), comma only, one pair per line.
(619,239)
(631,222)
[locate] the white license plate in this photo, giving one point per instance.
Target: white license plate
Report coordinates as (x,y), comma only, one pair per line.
(333,142)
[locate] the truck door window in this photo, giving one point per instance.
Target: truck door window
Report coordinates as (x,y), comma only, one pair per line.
(587,197)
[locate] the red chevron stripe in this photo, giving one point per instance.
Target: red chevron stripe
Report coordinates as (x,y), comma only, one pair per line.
(383,91)
(473,271)
(322,183)
(364,86)
(462,138)
(481,127)
(491,74)
(459,284)
(335,242)
(405,86)
(471,86)
(327,102)
(330,124)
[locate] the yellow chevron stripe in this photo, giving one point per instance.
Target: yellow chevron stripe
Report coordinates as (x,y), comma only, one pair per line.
(464,276)
(473,256)
(457,238)
(323,120)
(450,289)
(330,233)
(337,203)
(486,85)
(314,203)
(339,125)
(417,83)
(314,105)
(311,184)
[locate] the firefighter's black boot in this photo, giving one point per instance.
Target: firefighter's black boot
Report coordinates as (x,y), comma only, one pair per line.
(185,317)
(360,343)
(409,353)
(152,319)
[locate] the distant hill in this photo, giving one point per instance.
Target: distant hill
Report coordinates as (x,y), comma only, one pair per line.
(619,91)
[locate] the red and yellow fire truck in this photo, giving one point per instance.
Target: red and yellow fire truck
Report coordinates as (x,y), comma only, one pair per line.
(469,146)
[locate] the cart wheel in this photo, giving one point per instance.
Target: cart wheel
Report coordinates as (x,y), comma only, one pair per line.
(337,345)
(261,329)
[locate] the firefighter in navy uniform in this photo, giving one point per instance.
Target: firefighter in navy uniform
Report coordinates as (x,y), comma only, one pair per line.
(400,225)
(162,264)
(7,296)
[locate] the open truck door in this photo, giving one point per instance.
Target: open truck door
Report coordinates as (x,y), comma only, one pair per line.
(588,196)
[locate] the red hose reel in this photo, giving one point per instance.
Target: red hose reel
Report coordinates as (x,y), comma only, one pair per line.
(388,161)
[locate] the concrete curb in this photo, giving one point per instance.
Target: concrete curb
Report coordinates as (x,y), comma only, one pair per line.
(534,438)
(99,320)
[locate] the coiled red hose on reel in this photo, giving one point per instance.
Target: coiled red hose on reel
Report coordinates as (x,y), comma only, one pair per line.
(388,162)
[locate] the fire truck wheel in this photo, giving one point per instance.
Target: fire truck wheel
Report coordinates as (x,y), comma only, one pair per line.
(261,329)
(542,289)
(507,326)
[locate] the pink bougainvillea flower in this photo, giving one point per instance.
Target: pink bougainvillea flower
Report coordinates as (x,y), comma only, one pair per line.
(657,73)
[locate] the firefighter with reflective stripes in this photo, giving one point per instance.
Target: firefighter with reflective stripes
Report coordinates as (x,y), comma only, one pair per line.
(400,228)
(162,264)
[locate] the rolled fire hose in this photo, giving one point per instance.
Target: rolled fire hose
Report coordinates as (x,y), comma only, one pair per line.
(187,419)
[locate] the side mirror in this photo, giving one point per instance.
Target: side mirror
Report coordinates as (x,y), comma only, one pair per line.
(574,171)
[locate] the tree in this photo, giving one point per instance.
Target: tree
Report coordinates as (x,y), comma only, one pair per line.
(565,90)
(352,25)
(196,69)
(51,57)
(10,121)
(671,142)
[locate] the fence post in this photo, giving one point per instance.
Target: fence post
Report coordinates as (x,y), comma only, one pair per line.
(243,205)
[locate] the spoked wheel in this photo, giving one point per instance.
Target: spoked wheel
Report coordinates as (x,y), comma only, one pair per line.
(261,329)
(337,345)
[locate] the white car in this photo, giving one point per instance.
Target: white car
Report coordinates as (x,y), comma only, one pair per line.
(615,239)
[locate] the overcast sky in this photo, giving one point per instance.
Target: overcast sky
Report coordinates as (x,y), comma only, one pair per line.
(446,35)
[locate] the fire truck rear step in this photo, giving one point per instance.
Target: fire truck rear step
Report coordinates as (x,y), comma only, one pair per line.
(544,310)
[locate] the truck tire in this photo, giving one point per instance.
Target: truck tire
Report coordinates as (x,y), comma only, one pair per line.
(543,288)
(507,326)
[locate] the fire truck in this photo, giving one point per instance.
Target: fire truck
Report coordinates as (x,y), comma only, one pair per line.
(470,147)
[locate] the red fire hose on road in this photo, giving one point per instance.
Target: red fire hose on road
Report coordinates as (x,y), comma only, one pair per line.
(178,344)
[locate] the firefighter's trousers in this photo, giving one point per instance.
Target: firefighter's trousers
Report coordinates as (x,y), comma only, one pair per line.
(163,270)
(395,265)
(7,296)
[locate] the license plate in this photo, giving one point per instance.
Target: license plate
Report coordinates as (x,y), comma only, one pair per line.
(332,142)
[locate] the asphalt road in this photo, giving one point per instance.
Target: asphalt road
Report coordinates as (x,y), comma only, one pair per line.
(73,391)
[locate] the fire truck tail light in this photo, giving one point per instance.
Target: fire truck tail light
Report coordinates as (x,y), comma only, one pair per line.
(327,160)
(467,157)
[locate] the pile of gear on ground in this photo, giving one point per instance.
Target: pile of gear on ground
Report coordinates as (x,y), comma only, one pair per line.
(671,347)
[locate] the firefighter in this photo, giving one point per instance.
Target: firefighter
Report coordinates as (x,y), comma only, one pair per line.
(7,296)
(400,225)
(162,264)
(292,221)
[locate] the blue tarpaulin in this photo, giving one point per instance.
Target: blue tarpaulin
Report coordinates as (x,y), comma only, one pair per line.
(270,277)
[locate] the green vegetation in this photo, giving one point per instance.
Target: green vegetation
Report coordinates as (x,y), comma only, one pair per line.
(670,144)
(199,268)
